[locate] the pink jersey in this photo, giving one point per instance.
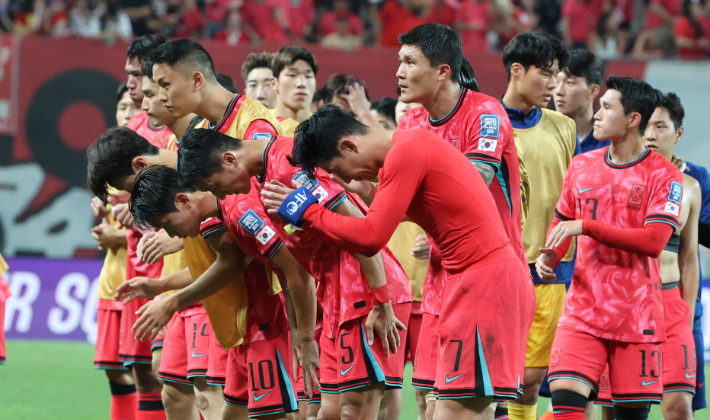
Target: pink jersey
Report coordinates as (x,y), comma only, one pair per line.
(247,224)
(343,290)
(157,136)
(134,266)
(615,294)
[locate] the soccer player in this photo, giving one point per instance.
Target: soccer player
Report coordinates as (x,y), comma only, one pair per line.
(257,75)
(126,108)
(487,307)
(622,203)
(5,294)
(294,82)
(350,94)
(578,84)
(354,290)
(532,61)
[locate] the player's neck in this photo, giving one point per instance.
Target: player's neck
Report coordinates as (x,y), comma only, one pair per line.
(512,99)
(626,149)
(205,204)
(251,154)
(379,143)
(215,101)
(180,125)
(440,104)
(296,114)
(584,119)
(164,158)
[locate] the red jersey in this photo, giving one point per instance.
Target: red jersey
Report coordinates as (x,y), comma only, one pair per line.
(134,266)
(260,16)
(615,294)
(582,19)
(434,282)
(435,185)
(157,136)
(243,217)
(343,290)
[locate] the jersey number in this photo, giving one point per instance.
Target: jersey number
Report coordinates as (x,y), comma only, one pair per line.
(687,366)
(194,333)
(655,373)
(264,365)
(348,348)
(593,206)
(458,353)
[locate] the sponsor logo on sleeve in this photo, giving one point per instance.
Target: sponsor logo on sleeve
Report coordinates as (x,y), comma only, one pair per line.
(490,126)
(251,222)
(487,145)
(305,180)
(676,193)
(261,136)
(672,208)
(265,235)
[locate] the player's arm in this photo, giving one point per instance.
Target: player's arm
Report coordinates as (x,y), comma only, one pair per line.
(260,127)
(146,288)
(229,263)
(155,245)
(485,152)
(688,253)
(488,172)
(565,210)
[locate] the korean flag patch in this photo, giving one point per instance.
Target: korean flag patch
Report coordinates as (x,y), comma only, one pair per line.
(261,136)
(672,208)
(487,145)
(490,126)
(676,193)
(320,193)
(251,222)
(306,181)
(265,235)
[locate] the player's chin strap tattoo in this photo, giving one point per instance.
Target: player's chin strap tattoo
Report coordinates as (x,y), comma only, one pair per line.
(488,172)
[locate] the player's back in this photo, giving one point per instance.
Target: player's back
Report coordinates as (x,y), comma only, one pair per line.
(157,136)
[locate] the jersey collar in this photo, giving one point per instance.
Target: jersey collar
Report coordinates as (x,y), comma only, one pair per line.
(265,158)
(454,110)
(520,120)
(229,110)
(607,159)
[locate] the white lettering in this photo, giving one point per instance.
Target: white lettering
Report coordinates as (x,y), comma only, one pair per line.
(25,288)
(88,319)
(71,304)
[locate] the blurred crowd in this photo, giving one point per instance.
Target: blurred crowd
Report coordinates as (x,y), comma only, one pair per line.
(609,28)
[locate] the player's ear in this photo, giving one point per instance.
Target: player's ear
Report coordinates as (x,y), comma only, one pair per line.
(198,80)
(274,83)
(139,163)
(181,199)
(634,120)
(228,159)
(680,134)
(347,145)
(444,72)
(517,71)
(594,91)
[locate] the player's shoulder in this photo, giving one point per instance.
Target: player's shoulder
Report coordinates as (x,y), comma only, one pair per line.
(137,121)
(691,185)
(211,225)
(656,161)
(414,118)
(558,118)
(588,158)
(477,101)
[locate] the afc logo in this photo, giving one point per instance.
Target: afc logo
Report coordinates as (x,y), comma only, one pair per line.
(490,126)
(251,222)
(636,195)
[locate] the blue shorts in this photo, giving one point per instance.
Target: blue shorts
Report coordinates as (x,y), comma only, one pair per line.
(699,400)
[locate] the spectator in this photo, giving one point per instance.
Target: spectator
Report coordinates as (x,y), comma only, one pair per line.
(114,23)
(395,18)
(267,21)
(342,39)
(350,94)
(233,33)
(341,11)
(657,37)
(300,15)
(690,31)
(140,12)
(84,22)
(6,24)
(547,15)
(192,22)
(579,23)
(473,22)
(27,19)
(606,41)
(441,12)
(216,14)
(508,20)
(384,111)
(55,20)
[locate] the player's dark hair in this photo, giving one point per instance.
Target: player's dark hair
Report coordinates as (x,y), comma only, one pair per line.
(111,157)
(316,139)
(226,82)
(671,103)
(185,51)
(153,194)
(122,88)
(141,47)
(441,45)
(256,61)
(199,154)
(582,63)
(537,49)
(636,96)
(385,106)
(337,84)
(147,69)
(289,55)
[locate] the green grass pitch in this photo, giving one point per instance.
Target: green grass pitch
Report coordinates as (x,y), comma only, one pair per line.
(49,380)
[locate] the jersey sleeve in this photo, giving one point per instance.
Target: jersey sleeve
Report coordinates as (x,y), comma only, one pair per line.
(252,224)
(490,134)
(260,130)
(210,226)
(665,200)
(328,192)
(566,208)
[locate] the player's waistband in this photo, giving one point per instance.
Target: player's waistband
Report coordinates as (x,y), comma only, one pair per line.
(498,255)
(670,286)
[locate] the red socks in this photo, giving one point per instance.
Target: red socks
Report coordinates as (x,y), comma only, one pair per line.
(124,401)
(150,406)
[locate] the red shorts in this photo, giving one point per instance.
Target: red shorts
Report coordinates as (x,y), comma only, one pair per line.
(415,325)
(485,316)
(108,335)
(353,364)
(187,346)
(634,368)
(3,353)
(425,357)
(217,362)
(302,396)
(259,376)
(679,367)
(131,350)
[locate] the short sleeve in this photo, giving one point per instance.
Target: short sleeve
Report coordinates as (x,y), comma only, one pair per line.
(664,203)
(252,224)
(566,208)
(260,130)
(210,226)
(328,192)
(490,133)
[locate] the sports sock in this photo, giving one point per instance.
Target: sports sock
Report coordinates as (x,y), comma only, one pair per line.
(124,401)
(625,413)
(568,405)
(521,411)
(150,406)
(501,412)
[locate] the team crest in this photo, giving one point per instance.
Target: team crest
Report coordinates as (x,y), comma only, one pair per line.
(305,180)
(555,355)
(676,193)
(251,222)
(636,195)
(456,143)
(490,126)
(261,136)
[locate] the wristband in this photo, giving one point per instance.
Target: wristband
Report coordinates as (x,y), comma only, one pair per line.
(295,204)
(381,295)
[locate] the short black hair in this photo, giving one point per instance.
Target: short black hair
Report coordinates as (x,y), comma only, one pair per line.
(439,44)
(147,69)
(257,61)
(537,49)
(184,51)
(226,82)
(636,96)
(582,63)
(385,106)
(338,84)
(122,88)
(111,157)
(141,47)
(289,55)
(199,154)
(671,103)
(153,194)
(316,139)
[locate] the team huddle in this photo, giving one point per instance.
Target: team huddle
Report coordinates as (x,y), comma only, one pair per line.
(279,256)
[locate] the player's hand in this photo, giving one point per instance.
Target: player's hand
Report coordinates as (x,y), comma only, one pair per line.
(122,214)
(107,236)
(421,248)
(545,264)
(381,320)
(98,207)
(155,245)
(563,231)
(361,188)
(356,99)
(275,193)
(678,162)
(310,361)
(138,288)
(154,316)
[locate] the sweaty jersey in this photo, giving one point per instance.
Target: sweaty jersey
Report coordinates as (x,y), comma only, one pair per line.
(157,136)
(615,294)
(343,290)
(245,119)
(479,127)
